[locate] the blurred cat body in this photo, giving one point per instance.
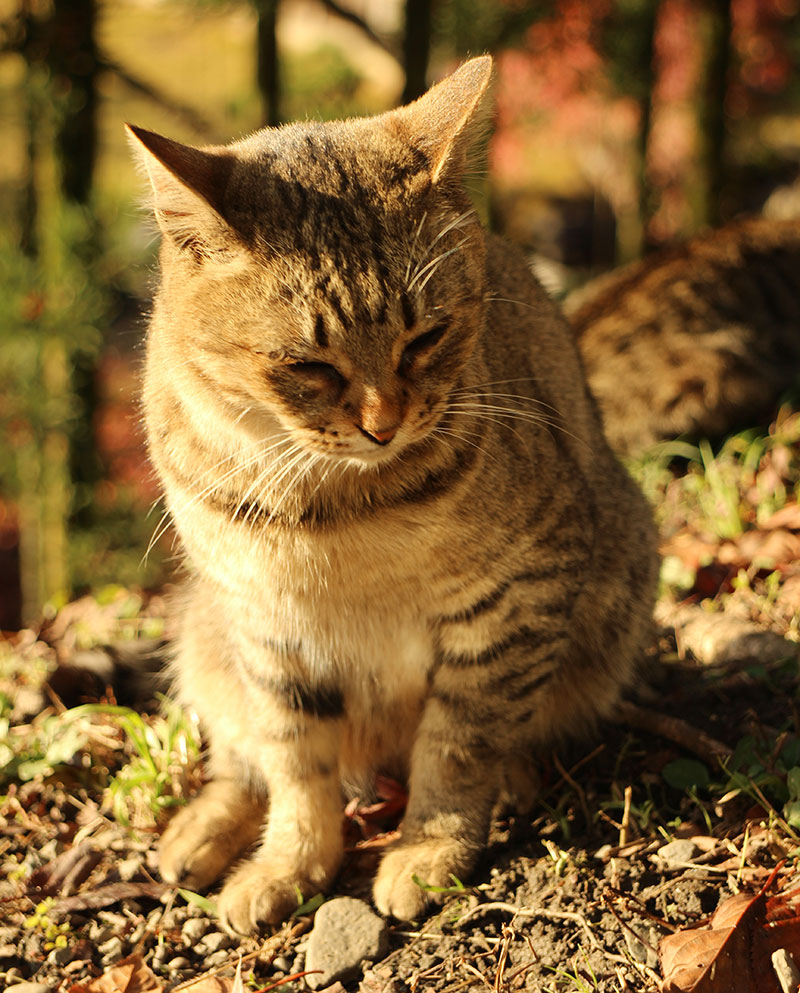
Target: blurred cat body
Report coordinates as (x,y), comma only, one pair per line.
(411,547)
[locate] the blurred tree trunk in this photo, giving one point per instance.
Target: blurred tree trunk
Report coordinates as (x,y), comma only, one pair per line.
(60,115)
(711,115)
(267,74)
(416,48)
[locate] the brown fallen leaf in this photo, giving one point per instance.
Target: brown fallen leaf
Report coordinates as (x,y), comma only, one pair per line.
(732,953)
(65,873)
(786,517)
(129,975)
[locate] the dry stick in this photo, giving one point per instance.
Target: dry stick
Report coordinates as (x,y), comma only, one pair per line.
(555,915)
(673,729)
(626,817)
(567,778)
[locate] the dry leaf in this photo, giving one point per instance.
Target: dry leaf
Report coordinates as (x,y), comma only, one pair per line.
(129,975)
(733,953)
(65,873)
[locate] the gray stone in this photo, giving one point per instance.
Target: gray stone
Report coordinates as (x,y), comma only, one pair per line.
(179,962)
(346,934)
(216,959)
(128,869)
(214,942)
(112,950)
(194,929)
(61,956)
(281,964)
(9,951)
(678,852)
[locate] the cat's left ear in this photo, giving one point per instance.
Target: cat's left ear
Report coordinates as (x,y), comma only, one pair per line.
(447,120)
(188,187)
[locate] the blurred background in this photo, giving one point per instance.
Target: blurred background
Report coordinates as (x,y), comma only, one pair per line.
(621,126)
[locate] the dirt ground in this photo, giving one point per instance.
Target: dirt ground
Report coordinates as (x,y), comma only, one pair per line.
(638,833)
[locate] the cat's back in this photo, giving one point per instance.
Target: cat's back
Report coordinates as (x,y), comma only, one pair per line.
(696,338)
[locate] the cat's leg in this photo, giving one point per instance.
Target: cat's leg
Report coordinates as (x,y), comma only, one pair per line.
(480,713)
(453,786)
(302,844)
(204,837)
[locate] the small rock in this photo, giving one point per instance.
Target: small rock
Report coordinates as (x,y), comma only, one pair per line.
(281,964)
(8,935)
(194,929)
(214,941)
(179,962)
(111,950)
(30,988)
(8,951)
(678,852)
(346,933)
(61,956)
(98,933)
(128,869)
(216,959)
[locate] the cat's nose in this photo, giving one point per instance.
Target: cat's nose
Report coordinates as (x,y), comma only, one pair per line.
(382,436)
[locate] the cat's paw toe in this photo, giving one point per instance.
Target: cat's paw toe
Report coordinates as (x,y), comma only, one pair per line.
(194,852)
(411,876)
(253,896)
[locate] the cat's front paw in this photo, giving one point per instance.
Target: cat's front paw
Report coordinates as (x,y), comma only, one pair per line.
(408,870)
(202,840)
(253,896)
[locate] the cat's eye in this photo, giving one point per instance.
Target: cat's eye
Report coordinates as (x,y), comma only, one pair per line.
(318,370)
(422,344)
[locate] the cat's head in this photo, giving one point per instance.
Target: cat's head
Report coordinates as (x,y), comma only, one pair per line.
(327,277)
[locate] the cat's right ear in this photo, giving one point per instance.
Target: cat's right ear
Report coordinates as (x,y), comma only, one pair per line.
(188,186)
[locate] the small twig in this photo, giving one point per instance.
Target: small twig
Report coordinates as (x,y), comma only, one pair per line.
(554,915)
(673,729)
(567,777)
(626,817)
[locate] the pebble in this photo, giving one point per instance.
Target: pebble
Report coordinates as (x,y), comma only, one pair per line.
(281,964)
(213,942)
(216,959)
(678,852)
(98,933)
(30,987)
(179,962)
(346,933)
(8,951)
(111,950)
(61,956)
(128,869)
(194,929)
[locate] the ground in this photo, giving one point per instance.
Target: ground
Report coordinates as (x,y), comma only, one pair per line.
(691,796)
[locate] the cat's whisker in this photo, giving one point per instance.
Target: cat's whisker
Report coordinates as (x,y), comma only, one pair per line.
(508,396)
(524,415)
(431,267)
(459,436)
(495,419)
(414,241)
(454,224)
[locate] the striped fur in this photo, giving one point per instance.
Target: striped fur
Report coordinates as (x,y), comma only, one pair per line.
(696,339)
(410,546)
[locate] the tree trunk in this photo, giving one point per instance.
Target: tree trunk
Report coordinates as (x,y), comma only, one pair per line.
(267,75)
(711,115)
(416,48)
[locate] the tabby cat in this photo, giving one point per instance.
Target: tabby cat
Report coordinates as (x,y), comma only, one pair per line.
(696,339)
(410,546)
